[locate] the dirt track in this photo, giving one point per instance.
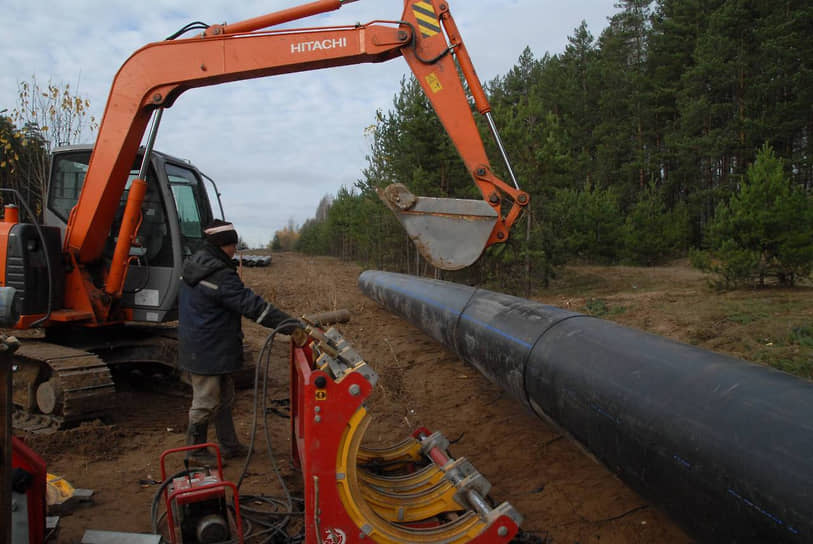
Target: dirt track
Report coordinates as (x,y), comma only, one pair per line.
(563,493)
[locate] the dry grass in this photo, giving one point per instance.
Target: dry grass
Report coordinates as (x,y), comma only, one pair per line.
(772,326)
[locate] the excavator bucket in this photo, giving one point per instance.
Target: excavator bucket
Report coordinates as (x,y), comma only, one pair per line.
(450,233)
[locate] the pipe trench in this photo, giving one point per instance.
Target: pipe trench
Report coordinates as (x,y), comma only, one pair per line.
(723,445)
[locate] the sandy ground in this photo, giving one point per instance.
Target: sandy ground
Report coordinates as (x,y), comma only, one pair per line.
(564,494)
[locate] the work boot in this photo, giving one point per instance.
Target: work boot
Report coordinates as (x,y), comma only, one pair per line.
(230,446)
(196,434)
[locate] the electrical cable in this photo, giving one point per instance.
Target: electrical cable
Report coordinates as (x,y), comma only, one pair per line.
(276,520)
(263,356)
(285,489)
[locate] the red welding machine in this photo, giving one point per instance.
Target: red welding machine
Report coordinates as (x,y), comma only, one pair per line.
(197,507)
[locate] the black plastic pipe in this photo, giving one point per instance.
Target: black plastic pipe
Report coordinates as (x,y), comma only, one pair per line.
(723,445)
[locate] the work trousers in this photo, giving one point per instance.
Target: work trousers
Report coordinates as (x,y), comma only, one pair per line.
(210,394)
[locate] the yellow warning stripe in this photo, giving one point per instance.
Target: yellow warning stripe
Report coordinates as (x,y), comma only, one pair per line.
(430,20)
(426,6)
(427,19)
(427,31)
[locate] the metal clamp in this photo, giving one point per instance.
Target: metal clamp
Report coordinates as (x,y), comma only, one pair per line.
(434,440)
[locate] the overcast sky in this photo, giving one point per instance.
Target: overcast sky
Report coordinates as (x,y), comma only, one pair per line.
(275,146)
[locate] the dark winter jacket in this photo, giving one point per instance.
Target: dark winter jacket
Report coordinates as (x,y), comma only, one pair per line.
(211,302)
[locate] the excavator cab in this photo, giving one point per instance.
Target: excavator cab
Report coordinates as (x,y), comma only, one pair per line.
(174,211)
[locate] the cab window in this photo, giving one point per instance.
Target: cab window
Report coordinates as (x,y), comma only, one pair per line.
(188,193)
(153,232)
(66,182)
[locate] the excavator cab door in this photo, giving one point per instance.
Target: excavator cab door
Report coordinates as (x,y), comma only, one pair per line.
(174,211)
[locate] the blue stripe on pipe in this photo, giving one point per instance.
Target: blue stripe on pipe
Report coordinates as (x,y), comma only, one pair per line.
(763,512)
(440,306)
(498,331)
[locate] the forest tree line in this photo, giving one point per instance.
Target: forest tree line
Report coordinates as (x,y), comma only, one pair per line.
(669,134)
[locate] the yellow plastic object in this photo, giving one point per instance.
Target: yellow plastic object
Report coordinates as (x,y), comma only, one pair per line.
(58,490)
(393,457)
(463,529)
(421,479)
(412,506)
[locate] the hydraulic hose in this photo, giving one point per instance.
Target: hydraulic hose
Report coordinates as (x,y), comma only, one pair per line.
(274,529)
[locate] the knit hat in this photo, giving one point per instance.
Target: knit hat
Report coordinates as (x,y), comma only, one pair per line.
(220,233)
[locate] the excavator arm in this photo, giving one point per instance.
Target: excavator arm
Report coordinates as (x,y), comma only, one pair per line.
(155,75)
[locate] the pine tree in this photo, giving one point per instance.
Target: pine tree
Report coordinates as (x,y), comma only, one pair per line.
(590,222)
(578,101)
(623,147)
(766,228)
(783,89)
(714,110)
(677,26)
(651,232)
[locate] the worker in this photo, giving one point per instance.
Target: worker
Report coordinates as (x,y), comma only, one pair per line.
(212,301)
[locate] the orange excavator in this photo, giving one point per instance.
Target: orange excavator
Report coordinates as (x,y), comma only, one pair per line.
(101,276)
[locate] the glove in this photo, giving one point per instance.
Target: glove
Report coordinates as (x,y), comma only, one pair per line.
(296,329)
(299,337)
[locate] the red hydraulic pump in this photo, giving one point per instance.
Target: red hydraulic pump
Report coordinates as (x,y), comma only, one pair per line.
(196,502)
